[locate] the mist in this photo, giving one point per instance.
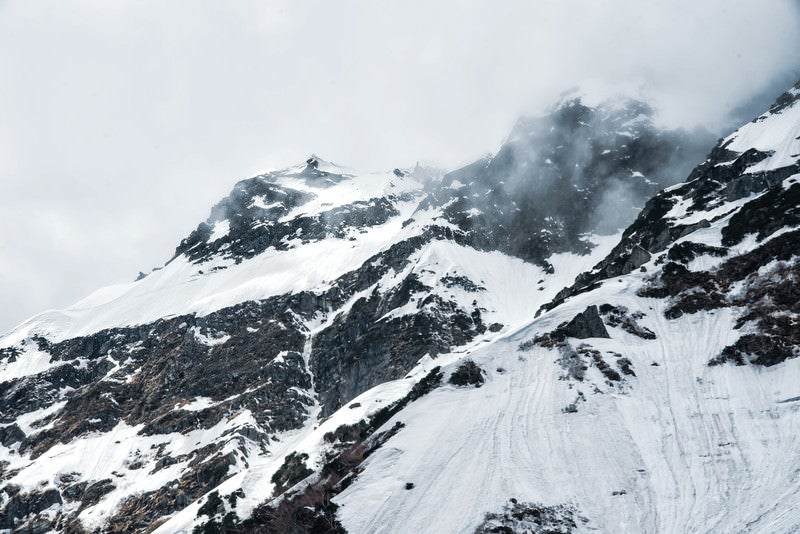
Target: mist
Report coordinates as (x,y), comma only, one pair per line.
(122,124)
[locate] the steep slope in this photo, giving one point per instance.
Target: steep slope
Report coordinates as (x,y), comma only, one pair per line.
(658,397)
(303,290)
(748,188)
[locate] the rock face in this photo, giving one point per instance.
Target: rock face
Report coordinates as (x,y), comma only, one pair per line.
(727,175)
(595,166)
(585,325)
(768,181)
(321,317)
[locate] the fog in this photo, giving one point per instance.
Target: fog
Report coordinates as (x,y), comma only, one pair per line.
(122,123)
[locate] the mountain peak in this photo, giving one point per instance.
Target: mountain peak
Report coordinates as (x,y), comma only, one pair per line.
(319,314)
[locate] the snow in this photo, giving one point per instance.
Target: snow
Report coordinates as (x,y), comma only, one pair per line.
(259,202)
(210,340)
(511,292)
(198,404)
(455,184)
(679,212)
(357,187)
(220,230)
(179,289)
(32,361)
(182,287)
(511,297)
(775,132)
(473,212)
(109,455)
(26,421)
(687,443)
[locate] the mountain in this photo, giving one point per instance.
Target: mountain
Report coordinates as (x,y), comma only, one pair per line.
(341,351)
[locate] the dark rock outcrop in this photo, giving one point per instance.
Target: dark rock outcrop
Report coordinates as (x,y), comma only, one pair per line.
(586,324)
(467,374)
(533,518)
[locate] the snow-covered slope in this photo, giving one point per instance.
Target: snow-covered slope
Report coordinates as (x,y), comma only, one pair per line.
(643,423)
(309,360)
(679,447)
(194,283)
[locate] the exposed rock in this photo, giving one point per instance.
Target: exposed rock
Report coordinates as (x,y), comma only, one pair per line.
(11,434)
(359,350)
(23,504)
(95,492)
(586,324)
(686,251)
(575,157)
(309,508)
(621,317)
(292,471)
(724,176)
(778,208)
(533,518)
(467,374)
(137,512)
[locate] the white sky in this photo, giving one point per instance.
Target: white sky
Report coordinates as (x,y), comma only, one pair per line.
(122,122)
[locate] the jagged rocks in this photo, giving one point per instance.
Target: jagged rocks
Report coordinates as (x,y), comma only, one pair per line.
(253,220)
(577,159)
(292,471)
(576,363)
(20,505)
(307,506)
(467,374)
(699,289)
(174,370)
(724,177)
(11,434)
(619,316)
(625,366)
(360,349)
(249,368)
(463,282)
(778,208)
(310,508)
(137,512)
(686,251)
(766,279)
(533,518)
(585,325)
(610,373)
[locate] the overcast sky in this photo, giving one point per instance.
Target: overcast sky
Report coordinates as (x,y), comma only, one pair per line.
(122,122)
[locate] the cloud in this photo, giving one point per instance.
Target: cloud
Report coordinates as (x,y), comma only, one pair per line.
(121,124)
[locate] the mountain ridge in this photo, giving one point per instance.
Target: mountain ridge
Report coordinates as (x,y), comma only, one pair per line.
(266,370)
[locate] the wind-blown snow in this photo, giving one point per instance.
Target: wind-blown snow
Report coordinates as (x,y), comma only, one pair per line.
(772,132)
(220,230)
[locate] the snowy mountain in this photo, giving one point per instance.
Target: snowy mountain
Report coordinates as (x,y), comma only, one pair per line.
(338,351)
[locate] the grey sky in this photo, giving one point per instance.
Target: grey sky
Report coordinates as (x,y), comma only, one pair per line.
(122,122)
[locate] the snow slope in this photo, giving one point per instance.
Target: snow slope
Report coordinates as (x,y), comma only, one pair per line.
(686,443)
(183,286)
